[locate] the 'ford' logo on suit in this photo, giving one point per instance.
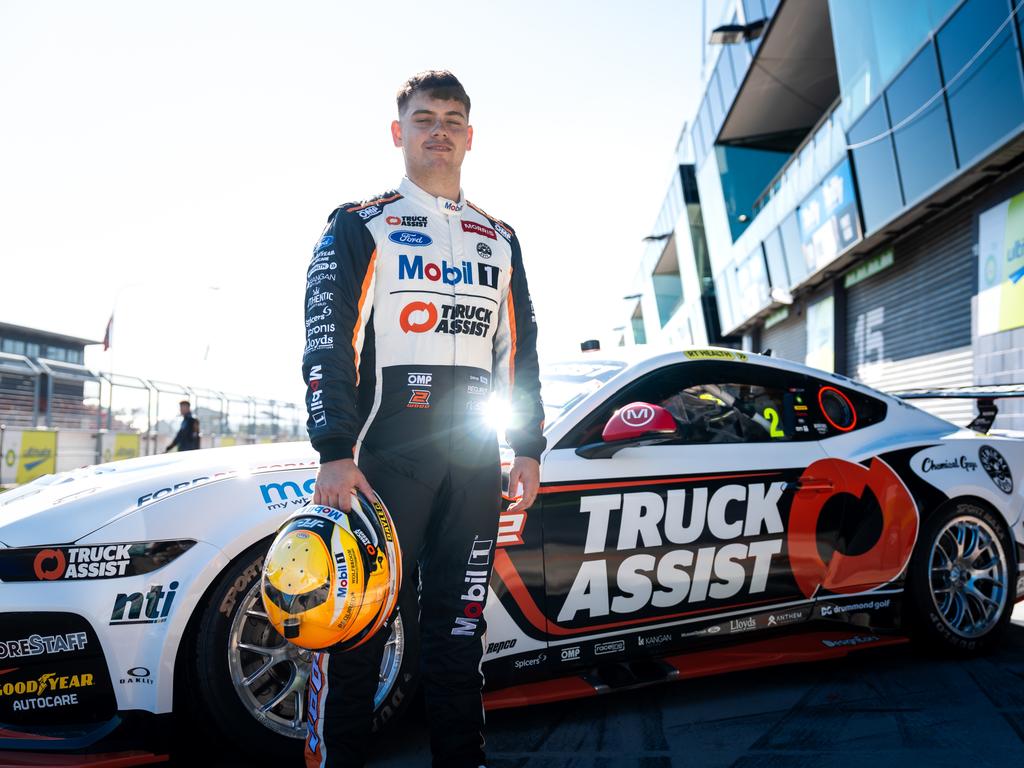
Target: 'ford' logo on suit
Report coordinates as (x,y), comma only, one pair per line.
(404,237)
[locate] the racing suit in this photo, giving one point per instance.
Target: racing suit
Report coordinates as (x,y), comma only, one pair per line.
(417,309)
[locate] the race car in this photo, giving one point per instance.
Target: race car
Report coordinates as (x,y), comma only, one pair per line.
(700,511)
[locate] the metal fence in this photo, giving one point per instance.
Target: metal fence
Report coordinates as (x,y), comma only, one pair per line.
(56,415)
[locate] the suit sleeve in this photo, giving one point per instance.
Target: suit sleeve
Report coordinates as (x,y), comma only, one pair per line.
(339,299)
(515,362)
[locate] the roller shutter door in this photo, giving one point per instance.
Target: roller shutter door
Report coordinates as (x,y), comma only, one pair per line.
(787,339)
(909,326)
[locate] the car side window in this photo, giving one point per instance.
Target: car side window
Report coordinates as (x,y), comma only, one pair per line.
(734,412)
(715,402)
(839,410)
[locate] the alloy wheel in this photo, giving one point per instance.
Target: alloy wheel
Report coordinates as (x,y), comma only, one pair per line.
(269,673)
(968,575)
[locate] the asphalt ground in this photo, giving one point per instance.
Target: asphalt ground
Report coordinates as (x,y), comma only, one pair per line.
(875,708)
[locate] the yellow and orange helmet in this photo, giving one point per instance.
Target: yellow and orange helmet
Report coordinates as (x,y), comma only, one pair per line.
(331,578)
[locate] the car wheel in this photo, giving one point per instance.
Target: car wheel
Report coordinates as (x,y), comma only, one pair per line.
(961,580)
(251,683)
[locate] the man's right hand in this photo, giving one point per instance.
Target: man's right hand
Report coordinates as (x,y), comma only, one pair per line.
(335,483)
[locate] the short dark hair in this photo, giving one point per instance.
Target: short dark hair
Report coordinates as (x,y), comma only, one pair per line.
(185,402)
(436,83)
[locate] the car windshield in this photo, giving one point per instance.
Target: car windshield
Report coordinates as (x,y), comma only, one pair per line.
(565,384)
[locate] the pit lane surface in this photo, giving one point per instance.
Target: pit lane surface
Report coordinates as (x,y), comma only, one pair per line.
(890,707)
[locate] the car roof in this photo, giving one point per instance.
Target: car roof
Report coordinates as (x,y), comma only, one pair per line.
(648,357)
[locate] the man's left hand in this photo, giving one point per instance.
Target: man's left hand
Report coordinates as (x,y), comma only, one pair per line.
(526,471)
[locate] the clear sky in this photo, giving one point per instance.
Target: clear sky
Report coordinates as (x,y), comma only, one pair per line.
(151,152)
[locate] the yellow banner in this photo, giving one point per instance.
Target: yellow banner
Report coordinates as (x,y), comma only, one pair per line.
(226,441)
(1000,304)
(38,455)
(126,446)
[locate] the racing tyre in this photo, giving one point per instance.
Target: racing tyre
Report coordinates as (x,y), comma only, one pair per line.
(961,580)
(251,685)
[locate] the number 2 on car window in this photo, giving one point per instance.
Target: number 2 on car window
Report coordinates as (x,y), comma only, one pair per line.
(773,416)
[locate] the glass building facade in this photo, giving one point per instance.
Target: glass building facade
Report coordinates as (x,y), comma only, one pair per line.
(911,117)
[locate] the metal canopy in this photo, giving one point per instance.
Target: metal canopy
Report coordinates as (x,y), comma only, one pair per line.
(791,82)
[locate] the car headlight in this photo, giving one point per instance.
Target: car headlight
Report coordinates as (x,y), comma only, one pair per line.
(65,562)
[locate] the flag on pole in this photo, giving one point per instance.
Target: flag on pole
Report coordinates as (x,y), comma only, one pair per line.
(109,332)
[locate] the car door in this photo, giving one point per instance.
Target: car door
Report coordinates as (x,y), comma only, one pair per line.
(663,542)
(868,526)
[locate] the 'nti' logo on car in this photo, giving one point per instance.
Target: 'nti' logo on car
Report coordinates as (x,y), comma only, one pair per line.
(128,609)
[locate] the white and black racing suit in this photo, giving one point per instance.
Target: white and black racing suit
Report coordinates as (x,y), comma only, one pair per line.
(417,310)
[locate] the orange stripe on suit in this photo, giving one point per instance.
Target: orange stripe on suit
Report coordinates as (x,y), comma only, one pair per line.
(367,279)
(512,337)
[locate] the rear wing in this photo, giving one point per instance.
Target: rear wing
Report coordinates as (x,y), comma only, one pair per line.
(986,397)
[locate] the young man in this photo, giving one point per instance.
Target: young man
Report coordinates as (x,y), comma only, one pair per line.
(417,310)
(187,438)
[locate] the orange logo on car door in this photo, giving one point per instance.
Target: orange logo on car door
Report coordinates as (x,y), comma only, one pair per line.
(847,574)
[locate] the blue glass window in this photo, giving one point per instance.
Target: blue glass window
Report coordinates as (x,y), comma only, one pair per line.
(878,184)
(715,101)
(697,136)
(986,101)
(739,55)
(727,80)
(753,10)
(873,39)
(709,131)
(796,265)
(924,149)
(745,173)
(774,254)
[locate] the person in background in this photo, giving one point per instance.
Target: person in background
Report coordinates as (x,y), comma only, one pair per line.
(187,438)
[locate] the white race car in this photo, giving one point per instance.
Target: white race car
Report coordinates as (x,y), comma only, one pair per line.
(701,511)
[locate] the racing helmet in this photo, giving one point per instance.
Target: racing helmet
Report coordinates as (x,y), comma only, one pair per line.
(331,578)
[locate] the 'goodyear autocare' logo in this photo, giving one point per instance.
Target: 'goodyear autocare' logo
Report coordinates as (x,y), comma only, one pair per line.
(48,682)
